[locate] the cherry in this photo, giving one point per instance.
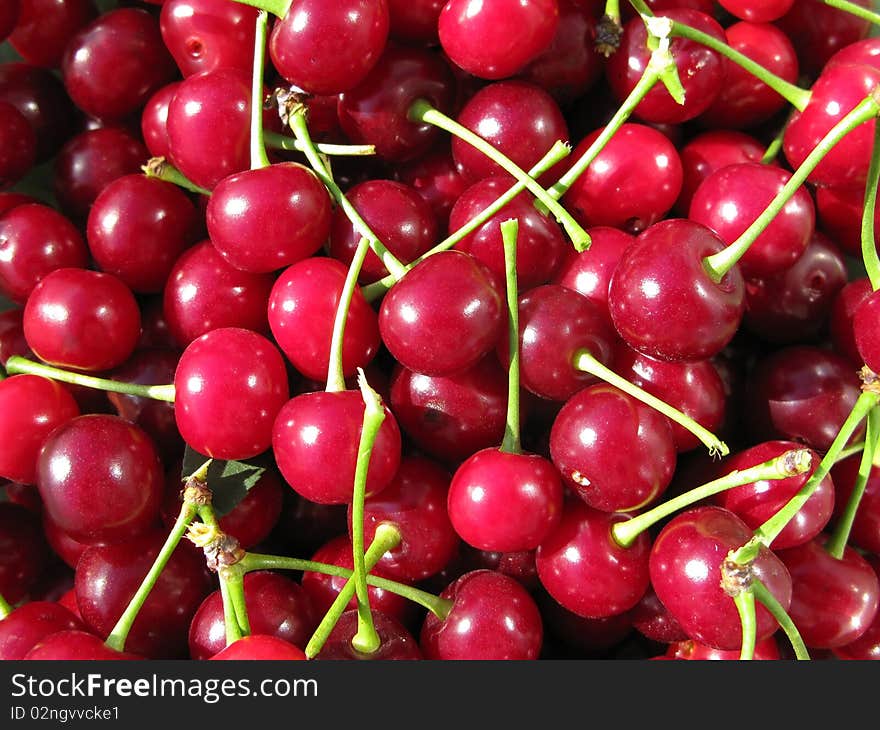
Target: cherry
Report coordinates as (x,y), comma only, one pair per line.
(443,316)
(112,66)
(230,383)
(839,212)
(313,430)
(10,200)
(843,309)
(108,577)
(864,51)
(592,442)
(24,494)
(864,323)
(653,621)
(24,554)
(154,119)
(76,644)
(45,27)
(662,300)
(867,646)
(302,308)
(204,35)
(757,12)
(277,607)
(496,40)
(685,566)
(329,48)
(730,199)
(690,650)
(492,617)
(260,647)
(583,638)
(833,600)
(700,69)
(415,21)
(436,178)
(9,15)
(82,319)
(865,530)
(399,216)
(632,183)
(519,565)
(305,525)
(19,153)
(35,240)
(203,293)
(31,408)
(64,546)
(30,623)
(585,570)
(396,642)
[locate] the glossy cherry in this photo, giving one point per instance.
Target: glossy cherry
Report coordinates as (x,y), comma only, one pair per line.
(865,320)
(154,120)
(766,650)
(9,15)
(76,644)
(757,12)
(653,621)
(12,340)
(30,623)
(867,646)
(19,153)
(25,554)
(45,27)
(865,531)
(436,178)
(839,212)
(259,647)
(396,642)
(843,310)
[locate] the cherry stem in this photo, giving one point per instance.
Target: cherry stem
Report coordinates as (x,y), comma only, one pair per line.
(422,111)
(559,151)
(745,605)
(5,608)
(839,538)
(775,146)
(387,538)
(259,158)
(276,7)
(297,123)
(717,265)
(849,451)
(641,8)
(788,464)
(283,142)
(119,633)
(793,94)
(230,622)
(768,600)
(335,372)
(854,9)
(160,168)
(17,365)
(232,577)
(511,443)
(869,243)
(612,10)
(587,363)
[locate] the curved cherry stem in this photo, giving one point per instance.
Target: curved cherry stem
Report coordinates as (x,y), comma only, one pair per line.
(335,372)
(161,169)
(276,7)
(869,242)
(775,146)
(776,609)
(511,443)
(277,141)
(5,608)
(717,265)
(787,464)
(559,151)
(586,362)
(793,94)
(16,365)
(745,605)
(422,111)
(259,158)
(854,9)
(839,538)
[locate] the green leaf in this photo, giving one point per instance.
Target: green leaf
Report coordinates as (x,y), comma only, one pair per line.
(229,481)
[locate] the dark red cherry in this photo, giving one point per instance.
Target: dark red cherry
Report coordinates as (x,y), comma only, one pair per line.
(45,27)
(259,647)
(154,119)
(204,292)
(112,66)
(443,316)
(204,35)
(30,408)
(492,617)
(730,199)
(633,182)
(76,644)
(82,319)
(843,310)
(833,600)
(865,322)
(662,300)
(137,228)
(839,212)
(230,383)
(653,621)
(399,216)
(313,430)
(19,151)
(396,642)
(375,111)
(10,200)
(585,570)
(436,178)
(301,311)
(30,623)
(35,240)
(867,646)
(62,544)
(24,554)
(685,566)
(766,650)
(757,11)
(616,453)
(9,15)
(415,21)
(328,48)
(277,606)
(107,578)
(496,40)
(700,69)
(865,530)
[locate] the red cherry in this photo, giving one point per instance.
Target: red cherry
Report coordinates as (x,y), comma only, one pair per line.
(396,643)
(9,15)
(260,647)
(436,178)
(690,650)
(867,646)
(154,120)
(24,554)
(76,644)
(757,12)
(30,623)
(45,27)
(865,531)
(843,310)
(19,153)
(865,321)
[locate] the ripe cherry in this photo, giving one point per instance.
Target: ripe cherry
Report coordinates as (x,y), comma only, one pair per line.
(865,530)
(865,319)
(19,153)
(30,623)
(396,642)
(45,27)
(76,644)
(843,310)
(757,12)
(259,647)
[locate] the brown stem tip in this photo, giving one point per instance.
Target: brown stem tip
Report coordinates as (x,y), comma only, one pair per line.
(608,33)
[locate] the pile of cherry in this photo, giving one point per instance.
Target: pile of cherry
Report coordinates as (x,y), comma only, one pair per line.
(182,242)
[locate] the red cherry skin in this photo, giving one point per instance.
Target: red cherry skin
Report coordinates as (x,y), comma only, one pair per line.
(843,310)
(396,643)
(79,645)
(865,531)
(867,646)
(45,27)
(30,623)
(691,650)
(19,152)
(865,321)
(757,12)
(260,647)
(154,120)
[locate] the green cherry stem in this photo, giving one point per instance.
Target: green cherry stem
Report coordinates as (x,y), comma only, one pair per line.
(259,158)
(849,451)
(17,364)
(793,94)
(233,578)
(276,7)
(745,605)
(717,265)
(161,169)
(387,537)
(642,8)
(854,9)
(586,362)
(422,111)
(5,608)
(511,443)
(768,600)
(869,242)
(282,142)
(230,621)
(840,535)
(612,10)
(559,151)
(787,464)
(335,372)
